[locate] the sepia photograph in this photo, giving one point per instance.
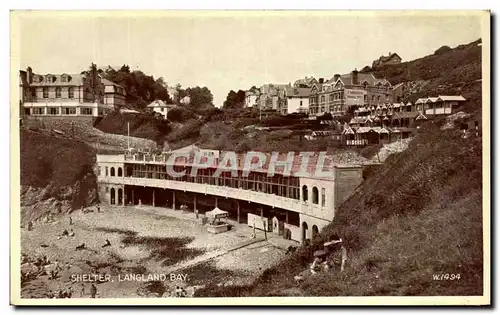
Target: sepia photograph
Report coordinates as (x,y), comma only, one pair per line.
(250,158)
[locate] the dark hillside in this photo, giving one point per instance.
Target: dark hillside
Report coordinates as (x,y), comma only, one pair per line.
(49,160)
(447,71)
(144,125)
(420,215)
(56,173)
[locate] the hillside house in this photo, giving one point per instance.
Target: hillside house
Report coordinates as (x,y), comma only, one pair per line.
(251,98)
(391,59)
(160,107)
(114,94)
(186,100)
(64,95)
(295,100)
(342,92)
(271,95)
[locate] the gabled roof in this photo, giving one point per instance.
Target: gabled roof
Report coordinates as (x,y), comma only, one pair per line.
(297,92)
(364,129)
(107,82)
(75,80)
(390,56)
(421,101)
(159,103)
(451,98)
(431,100)
(380,129)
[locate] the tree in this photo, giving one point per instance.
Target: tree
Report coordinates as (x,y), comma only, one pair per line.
(141,89)
(201,97)
(234,100)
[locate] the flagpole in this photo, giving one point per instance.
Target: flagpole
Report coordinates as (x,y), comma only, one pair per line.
(128,136)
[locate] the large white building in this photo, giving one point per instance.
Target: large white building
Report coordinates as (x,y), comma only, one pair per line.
(296,100)
(67,95)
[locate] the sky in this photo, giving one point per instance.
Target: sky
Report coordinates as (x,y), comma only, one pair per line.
(231,50)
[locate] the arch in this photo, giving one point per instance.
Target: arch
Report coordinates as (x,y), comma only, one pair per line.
(71,92)
(315,195)
(120,172)
(305,194)
(112,172)
(112,196)
(120,196)
(315,231)
(304,231)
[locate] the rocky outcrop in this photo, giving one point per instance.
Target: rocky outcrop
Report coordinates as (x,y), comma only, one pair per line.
(38,203)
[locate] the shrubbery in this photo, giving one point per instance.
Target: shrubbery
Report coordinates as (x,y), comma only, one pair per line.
(180,114)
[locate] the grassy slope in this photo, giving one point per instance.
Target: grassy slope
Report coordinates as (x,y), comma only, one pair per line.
(50,160)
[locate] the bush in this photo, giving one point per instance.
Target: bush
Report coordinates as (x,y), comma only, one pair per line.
(189,130)
(180,114)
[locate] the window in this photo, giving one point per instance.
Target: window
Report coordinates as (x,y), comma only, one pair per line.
(112,171)
(58,92)
(365,98)
(304,193)
(300,103)
(33,92)
(63,78)
(86,111)
(69,111)
(315,195)
(162,109)
(38,111)
(53,110)
(71,93)
(45,92)
(322,98)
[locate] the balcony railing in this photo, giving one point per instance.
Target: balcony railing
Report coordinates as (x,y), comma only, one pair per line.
(318,211)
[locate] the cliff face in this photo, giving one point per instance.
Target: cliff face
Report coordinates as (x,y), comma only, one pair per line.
(57,175)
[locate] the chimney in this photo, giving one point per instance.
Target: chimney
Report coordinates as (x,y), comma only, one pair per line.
(336,77)
(321,80)
(29,75)
(354,77)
